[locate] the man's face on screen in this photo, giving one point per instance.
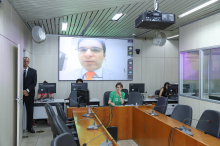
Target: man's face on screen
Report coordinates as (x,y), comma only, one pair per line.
(91,54)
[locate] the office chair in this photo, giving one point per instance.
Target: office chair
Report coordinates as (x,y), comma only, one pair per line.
(126,93)
(135,97)
(181,112)
(64,139)
(213,126)
(161,105)
(106,98)
(62,128)
(62,114)
(51,114)
(157,92)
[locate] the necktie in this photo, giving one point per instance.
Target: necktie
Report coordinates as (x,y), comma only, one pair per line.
(24,75)
(90,75)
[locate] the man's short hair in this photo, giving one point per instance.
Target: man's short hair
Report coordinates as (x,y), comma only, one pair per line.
(99,40)
(27,57)
(79,80)
(119,83)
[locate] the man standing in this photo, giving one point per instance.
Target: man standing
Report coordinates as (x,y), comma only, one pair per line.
(29,83)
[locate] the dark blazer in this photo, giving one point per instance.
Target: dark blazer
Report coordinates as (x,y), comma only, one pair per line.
(31,81)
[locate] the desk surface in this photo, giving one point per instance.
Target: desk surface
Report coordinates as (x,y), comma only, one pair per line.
(151,99)
(67,101)
(87,135)
(131,122)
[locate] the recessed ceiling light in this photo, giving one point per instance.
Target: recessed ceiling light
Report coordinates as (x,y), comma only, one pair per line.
(197,8)
(172,37)
(117,17)
(64,26)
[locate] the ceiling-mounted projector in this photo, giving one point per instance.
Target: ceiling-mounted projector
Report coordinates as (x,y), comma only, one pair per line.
(154,19)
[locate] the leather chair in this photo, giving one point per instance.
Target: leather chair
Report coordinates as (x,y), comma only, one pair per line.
(213,126)
(181,113)
(161,105)
(126,93)
(62,127)
(106,98)
(64,139)
(62,114)
(157,92)
(51,114)
(135,97)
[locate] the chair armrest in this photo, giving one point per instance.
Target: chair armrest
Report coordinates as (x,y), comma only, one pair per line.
(70,119)
(70,124)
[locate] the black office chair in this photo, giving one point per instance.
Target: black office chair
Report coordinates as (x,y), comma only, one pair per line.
(62,127)
(126,93)
(106,98)
(182,112)
(161,105)
(62,114)
(64,139)
(51,114)
(213,126)
(157,92)
(135,97)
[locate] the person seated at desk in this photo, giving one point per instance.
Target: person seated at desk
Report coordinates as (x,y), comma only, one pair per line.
(44,95)
(117,97)
(164,90)
(77,81)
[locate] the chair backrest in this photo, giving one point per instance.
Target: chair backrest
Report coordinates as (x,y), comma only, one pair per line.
(161,105)
(62,126)
(51,114)
(106,98)
(64,139)
(182,112)
(135,97)
(126,93)
(212,127)
(61,113)
(157,92)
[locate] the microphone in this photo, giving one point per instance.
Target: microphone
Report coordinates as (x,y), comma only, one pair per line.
(187,130)
(153,113)
(88,110)
(105,143)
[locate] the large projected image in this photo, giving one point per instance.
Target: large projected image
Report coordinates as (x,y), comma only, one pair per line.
(95,59)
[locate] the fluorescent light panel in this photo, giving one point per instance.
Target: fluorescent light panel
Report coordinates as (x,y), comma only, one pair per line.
(197,8)
(64,26)
(117,17)
(172,37)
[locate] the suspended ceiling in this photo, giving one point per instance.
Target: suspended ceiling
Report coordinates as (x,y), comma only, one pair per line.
(77,13)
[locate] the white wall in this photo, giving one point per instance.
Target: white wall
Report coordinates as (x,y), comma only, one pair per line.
(200,34)
(12,32)
(153,66)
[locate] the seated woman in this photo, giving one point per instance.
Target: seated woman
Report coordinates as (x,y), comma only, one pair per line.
(117,97)
(77,81)
(164,90)
(44,95)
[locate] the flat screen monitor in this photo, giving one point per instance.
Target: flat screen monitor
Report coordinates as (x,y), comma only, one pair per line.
(137,87)
(47,88)
(79,86)
(173,89)
(109,59)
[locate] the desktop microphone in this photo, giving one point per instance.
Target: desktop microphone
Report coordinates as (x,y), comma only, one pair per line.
(155,114)
(105,143)
(187,130)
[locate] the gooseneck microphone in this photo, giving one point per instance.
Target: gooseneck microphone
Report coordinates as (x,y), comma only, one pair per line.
(187,130)
(153,113)
(105,143)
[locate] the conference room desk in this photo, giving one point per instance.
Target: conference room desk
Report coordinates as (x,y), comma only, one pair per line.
(135,122)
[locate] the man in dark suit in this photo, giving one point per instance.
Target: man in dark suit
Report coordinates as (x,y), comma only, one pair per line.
(29,83)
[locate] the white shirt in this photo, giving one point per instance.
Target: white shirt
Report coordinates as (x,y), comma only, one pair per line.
(97,76)
(26,76)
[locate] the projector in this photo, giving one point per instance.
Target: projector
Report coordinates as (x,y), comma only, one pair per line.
(154,20)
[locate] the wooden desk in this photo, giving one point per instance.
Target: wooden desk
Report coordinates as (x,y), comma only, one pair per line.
(131,122)
(87,135)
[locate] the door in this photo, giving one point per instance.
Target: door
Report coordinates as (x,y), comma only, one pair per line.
(19,95)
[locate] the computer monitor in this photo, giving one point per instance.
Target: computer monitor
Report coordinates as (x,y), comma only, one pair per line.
(79,86)
(47,88)
(173,89)
(136,87)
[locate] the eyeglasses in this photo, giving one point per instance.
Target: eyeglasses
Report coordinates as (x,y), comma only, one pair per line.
(93,49)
